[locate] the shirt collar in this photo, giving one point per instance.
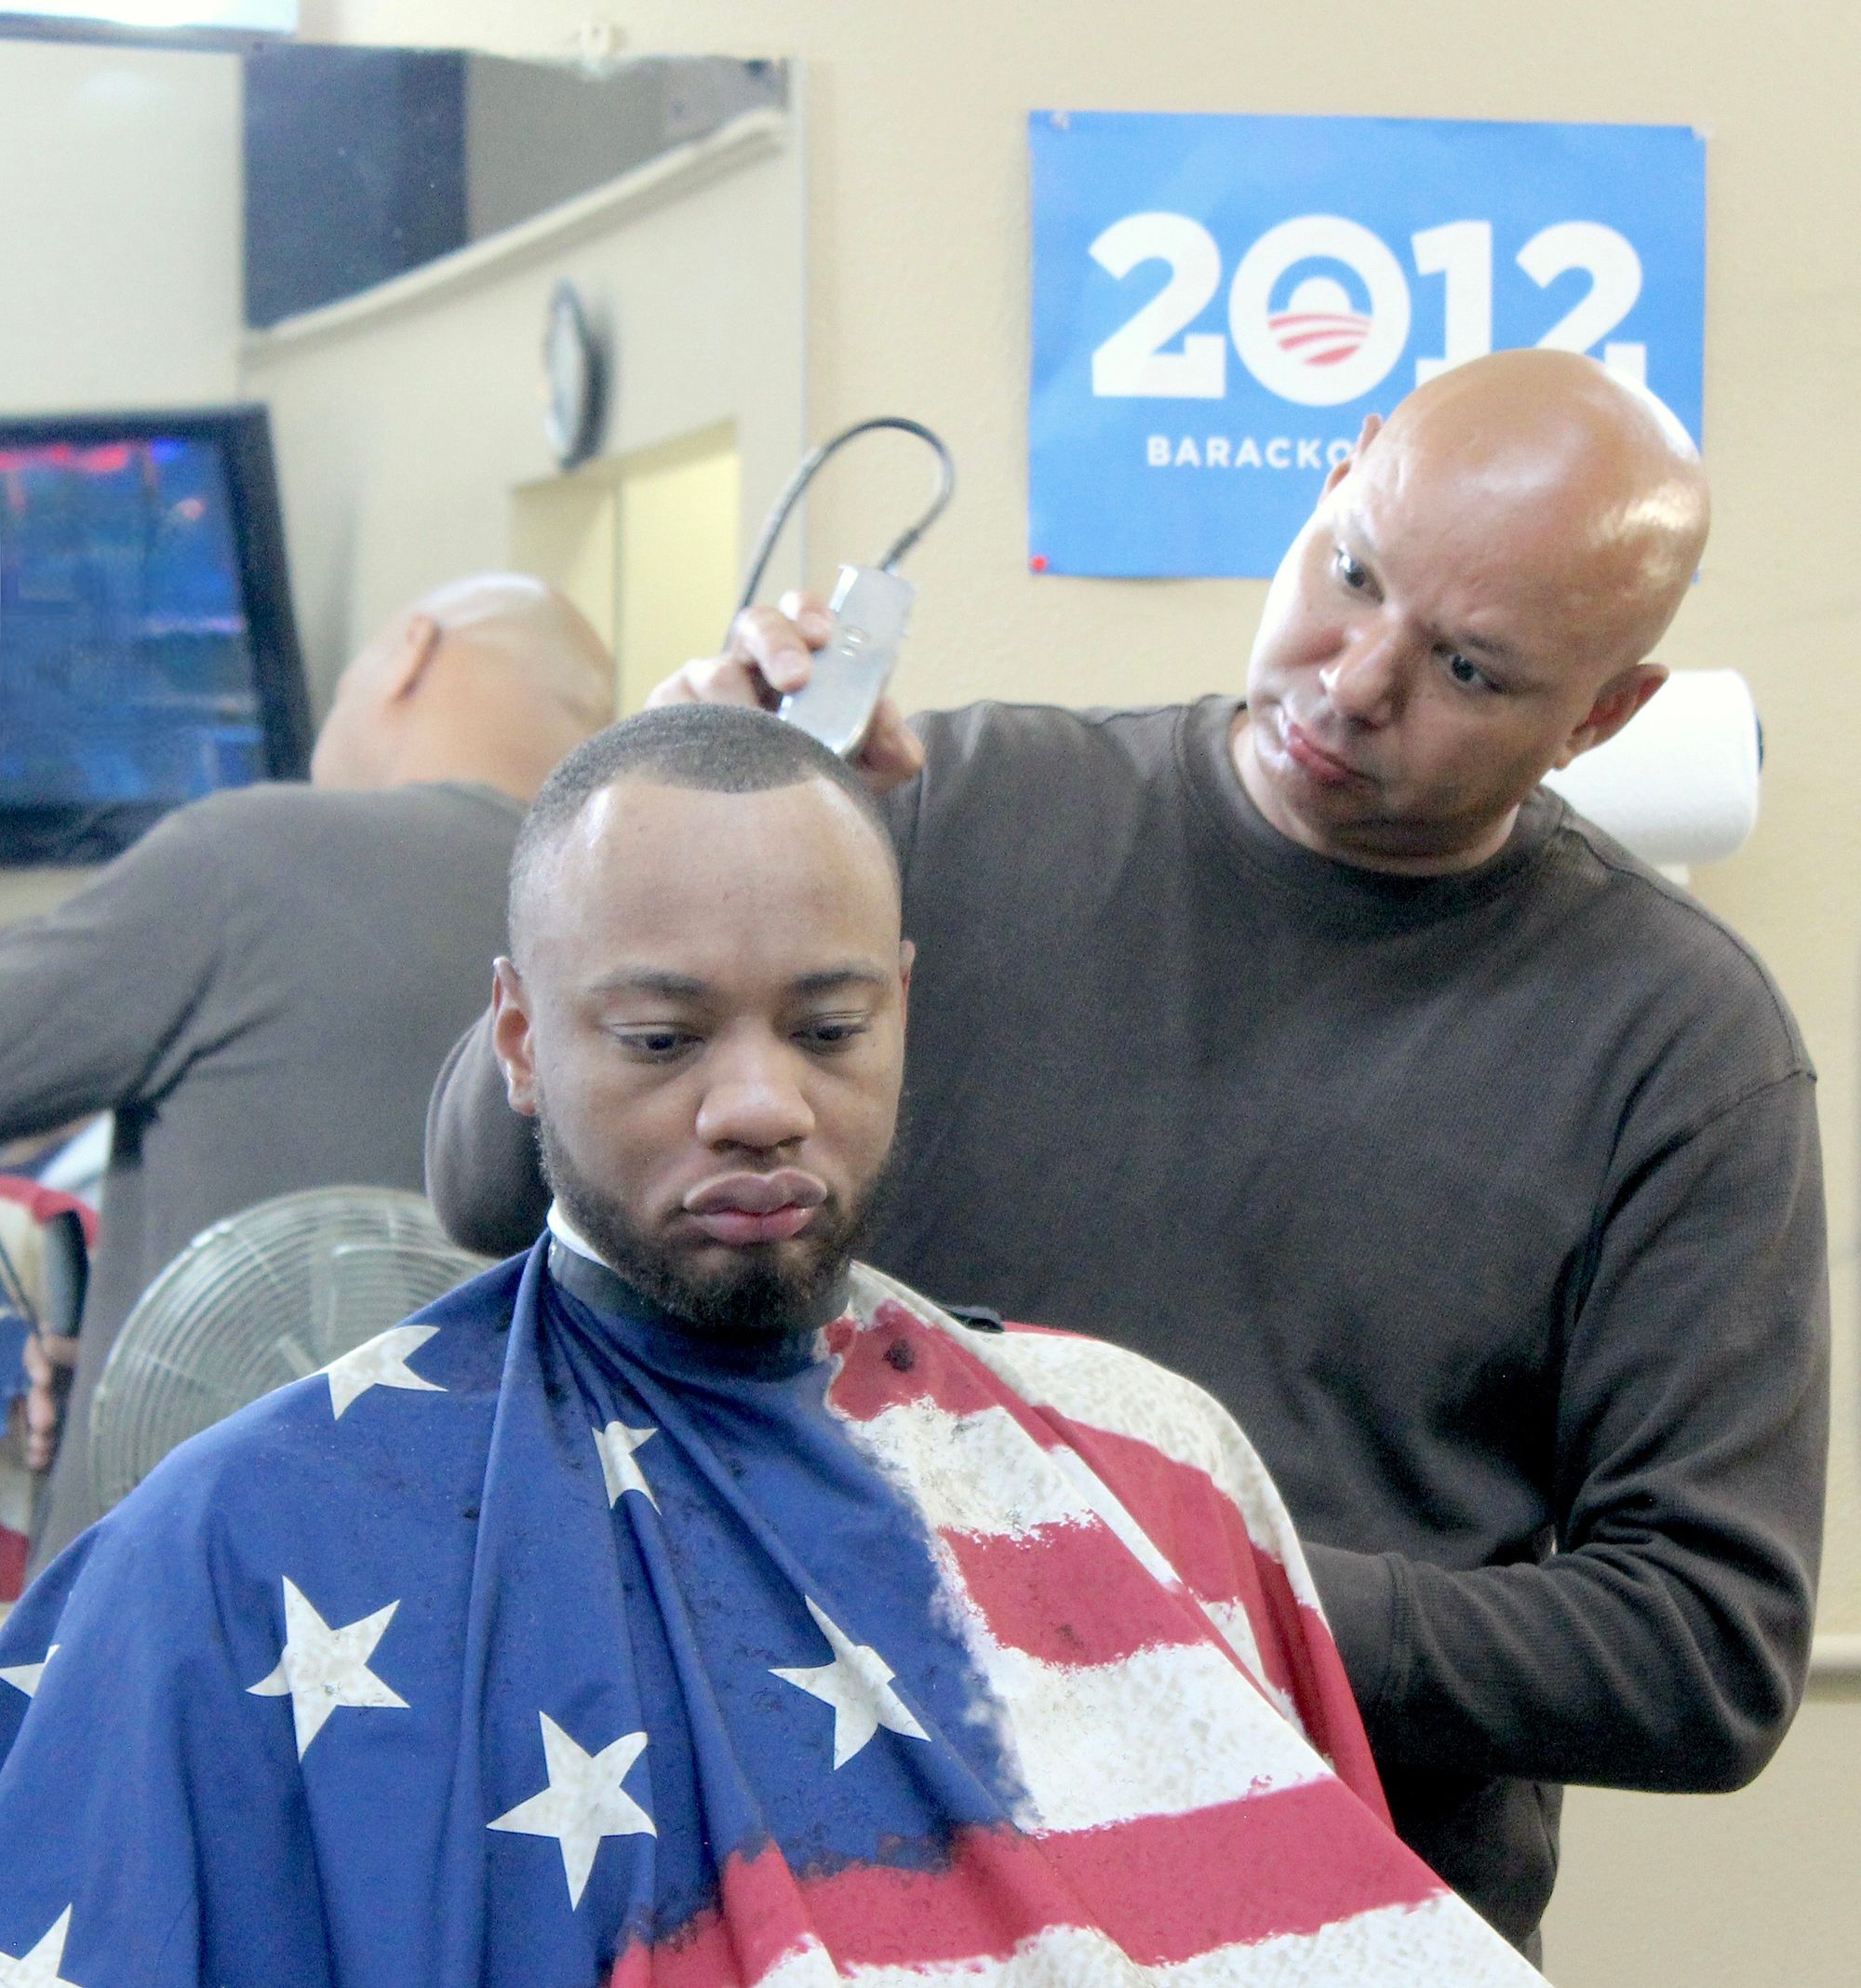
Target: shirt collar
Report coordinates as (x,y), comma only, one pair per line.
(571,1238)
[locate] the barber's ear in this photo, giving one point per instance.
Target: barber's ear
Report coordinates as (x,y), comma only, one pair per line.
(1617,702)
(1366,435)
(511,1043)
(415,650)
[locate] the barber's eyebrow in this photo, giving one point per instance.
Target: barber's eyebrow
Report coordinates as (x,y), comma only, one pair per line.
(829,980)
(1352,527)
(1489,646)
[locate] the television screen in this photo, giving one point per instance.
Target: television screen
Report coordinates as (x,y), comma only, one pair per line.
(146,652)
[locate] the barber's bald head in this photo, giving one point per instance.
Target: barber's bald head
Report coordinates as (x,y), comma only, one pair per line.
(1471,605)
(704,1008)
(1594,477)
(491,678)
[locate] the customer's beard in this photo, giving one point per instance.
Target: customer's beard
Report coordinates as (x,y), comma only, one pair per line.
(762,1296)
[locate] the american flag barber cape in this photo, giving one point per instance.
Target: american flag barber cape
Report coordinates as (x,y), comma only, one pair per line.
(536,1646)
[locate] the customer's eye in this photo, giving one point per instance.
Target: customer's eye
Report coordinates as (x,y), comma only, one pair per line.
(832,1032)
(655,1045)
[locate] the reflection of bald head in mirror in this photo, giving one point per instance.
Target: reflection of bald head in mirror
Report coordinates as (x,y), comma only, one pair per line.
(1472,604)
(489,679)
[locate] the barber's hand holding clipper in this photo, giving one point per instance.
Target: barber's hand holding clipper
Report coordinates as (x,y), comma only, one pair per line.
(770,656)
(824,666)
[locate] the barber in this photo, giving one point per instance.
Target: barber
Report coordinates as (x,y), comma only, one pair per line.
(1312,1047)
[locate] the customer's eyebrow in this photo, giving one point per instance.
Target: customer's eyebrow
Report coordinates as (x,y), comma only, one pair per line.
(652,980)
(687,986)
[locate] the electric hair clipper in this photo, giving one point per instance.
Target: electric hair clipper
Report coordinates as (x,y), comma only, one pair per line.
(848,678)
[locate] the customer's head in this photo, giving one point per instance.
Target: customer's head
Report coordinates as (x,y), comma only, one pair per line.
(1471,605)
(705,1009)
(491,679)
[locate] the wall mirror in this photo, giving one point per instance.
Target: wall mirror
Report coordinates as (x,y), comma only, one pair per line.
(379,246)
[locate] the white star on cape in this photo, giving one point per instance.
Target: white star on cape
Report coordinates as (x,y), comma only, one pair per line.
(323,1668)
(25,1676)
(40,1967)
(858,1685)
(584,1802)
(617,1443)
(378,1363)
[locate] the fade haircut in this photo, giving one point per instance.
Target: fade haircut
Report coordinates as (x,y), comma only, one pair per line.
(714,748)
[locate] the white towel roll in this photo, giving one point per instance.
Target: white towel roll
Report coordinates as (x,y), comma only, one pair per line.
(1679,783)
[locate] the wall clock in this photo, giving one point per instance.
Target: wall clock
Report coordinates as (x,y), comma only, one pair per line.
(575,379)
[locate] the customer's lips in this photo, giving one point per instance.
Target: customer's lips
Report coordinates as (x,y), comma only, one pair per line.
(742,1208)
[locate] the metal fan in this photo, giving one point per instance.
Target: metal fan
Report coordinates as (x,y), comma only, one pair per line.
(261,1298)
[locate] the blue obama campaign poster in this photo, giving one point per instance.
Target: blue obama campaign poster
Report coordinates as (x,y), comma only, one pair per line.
(1219,302)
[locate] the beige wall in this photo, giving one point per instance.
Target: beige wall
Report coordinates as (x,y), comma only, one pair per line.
(1721,1891)
(119,277)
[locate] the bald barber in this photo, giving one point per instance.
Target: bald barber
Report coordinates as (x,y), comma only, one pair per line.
(263,988)
(1313,1049)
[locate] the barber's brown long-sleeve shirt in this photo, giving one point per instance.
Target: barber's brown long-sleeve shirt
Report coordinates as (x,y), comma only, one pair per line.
(262,991)
(1490,1204)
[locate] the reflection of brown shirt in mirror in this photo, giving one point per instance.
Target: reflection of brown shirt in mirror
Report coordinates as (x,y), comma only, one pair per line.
(262,990)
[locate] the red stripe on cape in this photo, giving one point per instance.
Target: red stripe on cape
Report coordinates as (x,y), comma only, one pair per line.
(1164,1888)
(1042,1591)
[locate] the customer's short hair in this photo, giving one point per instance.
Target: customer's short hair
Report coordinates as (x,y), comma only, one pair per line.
(714,748)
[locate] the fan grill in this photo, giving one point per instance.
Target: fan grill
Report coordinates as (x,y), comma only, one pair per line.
(261,1298)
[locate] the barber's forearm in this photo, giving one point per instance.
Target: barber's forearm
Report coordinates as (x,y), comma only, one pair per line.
(1604,1666)
(482,1175)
